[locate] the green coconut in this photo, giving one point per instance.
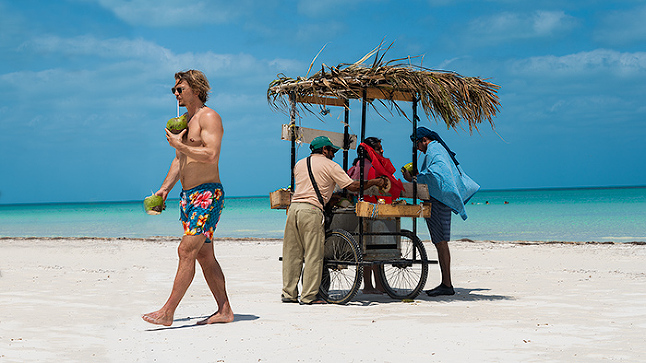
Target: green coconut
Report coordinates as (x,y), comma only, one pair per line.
(177,124)
(154,204)
(408,167)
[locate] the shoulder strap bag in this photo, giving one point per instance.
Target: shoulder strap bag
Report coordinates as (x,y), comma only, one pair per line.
(327,209)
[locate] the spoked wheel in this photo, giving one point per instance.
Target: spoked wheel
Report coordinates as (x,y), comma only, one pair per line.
(341,267)
(405,278)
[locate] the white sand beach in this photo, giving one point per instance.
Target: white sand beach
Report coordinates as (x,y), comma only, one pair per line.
(80,300)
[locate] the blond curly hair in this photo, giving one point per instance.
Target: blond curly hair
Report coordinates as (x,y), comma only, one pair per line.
(197,81)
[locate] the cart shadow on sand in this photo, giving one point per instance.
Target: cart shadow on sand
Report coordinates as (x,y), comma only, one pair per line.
(236,318)
(461,294)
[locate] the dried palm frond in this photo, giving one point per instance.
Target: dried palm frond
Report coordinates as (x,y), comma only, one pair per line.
(443,94)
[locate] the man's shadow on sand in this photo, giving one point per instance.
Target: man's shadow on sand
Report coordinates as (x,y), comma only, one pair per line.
(461,294)
(236,318)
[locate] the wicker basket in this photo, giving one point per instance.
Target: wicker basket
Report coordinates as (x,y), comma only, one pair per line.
(280,199)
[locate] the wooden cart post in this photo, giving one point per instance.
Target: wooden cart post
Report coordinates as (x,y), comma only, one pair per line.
(292,124)
(346,135)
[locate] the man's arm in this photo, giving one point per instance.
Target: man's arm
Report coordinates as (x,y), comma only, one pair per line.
(171,179)
(356,185)
(211,132)
(341,179)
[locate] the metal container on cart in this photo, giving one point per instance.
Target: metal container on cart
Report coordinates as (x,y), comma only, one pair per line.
(374,247)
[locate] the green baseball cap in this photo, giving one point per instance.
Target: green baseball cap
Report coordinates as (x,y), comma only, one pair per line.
(321,141)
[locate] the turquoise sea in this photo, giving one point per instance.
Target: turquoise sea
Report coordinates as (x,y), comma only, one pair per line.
(586,214)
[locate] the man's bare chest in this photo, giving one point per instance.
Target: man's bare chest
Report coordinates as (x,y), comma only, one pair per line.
(192,137)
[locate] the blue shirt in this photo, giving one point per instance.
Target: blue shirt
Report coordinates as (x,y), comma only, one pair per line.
(446,181)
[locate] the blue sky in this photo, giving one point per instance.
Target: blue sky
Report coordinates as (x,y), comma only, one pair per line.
(85,87)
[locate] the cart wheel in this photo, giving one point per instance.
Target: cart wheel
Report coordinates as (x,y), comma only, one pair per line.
(406,278)
(341,268)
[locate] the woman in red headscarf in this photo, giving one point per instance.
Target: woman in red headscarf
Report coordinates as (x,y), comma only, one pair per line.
(375,165)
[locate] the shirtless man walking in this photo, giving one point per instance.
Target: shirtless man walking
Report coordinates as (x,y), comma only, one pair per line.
(201,199)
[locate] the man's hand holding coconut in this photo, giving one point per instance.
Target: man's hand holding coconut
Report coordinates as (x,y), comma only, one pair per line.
(177,124)
(154,204)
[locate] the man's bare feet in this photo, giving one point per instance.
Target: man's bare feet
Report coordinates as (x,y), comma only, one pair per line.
(217,317)
(158,318)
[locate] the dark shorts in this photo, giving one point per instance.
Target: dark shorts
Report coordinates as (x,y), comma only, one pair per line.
(200,209)
(439,224)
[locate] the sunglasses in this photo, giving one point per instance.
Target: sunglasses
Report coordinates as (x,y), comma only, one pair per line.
(178,89)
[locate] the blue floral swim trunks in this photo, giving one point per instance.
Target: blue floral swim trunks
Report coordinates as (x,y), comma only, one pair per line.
(200,209)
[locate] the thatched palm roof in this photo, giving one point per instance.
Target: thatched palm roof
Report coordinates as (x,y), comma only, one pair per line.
(445,94)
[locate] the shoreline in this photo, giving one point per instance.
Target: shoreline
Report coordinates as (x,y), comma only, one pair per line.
(81,299)
(279,240)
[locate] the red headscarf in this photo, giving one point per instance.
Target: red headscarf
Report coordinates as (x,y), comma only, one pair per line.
(383,166)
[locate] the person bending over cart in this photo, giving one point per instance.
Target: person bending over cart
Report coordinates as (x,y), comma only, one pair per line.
(303,244)
(450,189)
(355,173)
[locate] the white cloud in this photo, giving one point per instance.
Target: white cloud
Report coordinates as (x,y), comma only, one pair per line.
(584,63)
(518,26)
(287,66)
(548,22)
(150,56)
(623,27)
(163,13)
(92,46)
(122,78)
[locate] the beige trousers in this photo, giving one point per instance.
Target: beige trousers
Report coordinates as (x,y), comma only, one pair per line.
(303,251)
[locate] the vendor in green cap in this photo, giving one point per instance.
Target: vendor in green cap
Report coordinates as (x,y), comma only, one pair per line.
(315,178)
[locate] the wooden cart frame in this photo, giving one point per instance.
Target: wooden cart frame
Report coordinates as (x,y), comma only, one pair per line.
(402,261)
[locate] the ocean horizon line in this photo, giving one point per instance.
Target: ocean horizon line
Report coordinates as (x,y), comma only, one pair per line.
(267,195)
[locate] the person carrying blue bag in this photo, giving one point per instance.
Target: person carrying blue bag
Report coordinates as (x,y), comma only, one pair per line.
(450,189)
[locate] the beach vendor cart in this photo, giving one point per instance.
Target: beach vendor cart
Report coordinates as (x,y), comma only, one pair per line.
(366,233)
